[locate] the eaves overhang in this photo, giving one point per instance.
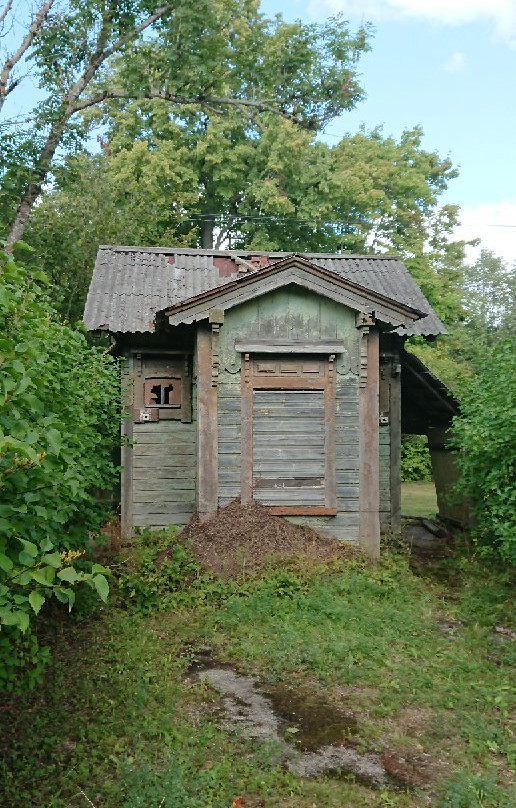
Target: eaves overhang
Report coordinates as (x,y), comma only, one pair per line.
(294,269)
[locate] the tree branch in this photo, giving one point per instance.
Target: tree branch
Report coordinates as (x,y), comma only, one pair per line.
(158,14)
(13,60)
(3,14)
(198,100)
(68,108)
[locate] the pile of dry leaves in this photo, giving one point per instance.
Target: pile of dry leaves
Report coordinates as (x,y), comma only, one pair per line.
(243,538)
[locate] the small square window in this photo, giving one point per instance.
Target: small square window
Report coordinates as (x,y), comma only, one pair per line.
(163,392)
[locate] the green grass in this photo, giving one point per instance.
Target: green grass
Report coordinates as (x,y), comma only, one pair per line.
(118,720)
(418,499)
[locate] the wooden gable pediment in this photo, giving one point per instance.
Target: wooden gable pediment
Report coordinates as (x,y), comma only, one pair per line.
(298,271)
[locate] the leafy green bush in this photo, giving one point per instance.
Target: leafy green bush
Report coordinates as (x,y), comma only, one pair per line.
(59,405)
(485,433)
(160,566)
(415,458)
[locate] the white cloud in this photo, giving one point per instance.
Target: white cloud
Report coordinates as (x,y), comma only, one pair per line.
(494,224)
(500,13)
(456,63)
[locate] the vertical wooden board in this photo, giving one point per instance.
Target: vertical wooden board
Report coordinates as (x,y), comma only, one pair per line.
(369,451)
(395,453)
(385,473)
(207,438)
(126,482)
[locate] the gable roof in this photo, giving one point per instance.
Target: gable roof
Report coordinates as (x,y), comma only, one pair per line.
(298,270)
(130,285)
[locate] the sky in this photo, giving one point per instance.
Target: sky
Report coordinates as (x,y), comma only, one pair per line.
(449,66)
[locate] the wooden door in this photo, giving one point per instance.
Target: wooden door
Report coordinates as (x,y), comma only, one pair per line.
(289,453)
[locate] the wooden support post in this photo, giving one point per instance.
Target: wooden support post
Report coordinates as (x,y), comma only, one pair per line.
(126,482)
(395,427)
(446,473)
(246,431)
(207,435)
(369,449)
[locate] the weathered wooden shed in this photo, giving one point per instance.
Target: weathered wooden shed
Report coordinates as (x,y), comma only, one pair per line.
(266,376)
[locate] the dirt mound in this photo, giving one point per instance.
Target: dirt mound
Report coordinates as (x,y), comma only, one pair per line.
(241,538)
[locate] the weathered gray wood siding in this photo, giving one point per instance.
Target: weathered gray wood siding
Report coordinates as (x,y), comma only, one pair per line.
(229,438)
(385,477)
(294,313)
(288,447)
(345,525)
(164,472)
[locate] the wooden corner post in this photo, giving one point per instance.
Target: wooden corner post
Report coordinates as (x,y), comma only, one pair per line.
(207,430)
(126,482)
(395,448)
(369,441)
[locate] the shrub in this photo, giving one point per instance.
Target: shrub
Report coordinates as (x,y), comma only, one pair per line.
(58,419)
(415,458)
(485,433)
(160,566)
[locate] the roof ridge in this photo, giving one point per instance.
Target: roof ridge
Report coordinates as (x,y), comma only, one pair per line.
(269,253)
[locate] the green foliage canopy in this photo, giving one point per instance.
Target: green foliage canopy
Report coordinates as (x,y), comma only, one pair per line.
(201,55)
(277,187)
(485,432)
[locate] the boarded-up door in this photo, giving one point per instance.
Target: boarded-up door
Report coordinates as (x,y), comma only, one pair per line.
(289,447)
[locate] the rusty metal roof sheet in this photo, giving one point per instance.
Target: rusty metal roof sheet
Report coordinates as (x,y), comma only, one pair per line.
(131,284)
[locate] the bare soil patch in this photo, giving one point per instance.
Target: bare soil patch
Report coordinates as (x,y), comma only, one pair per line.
(244,538)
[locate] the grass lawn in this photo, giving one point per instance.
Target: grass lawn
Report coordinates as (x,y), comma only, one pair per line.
(418,499)
(118,723)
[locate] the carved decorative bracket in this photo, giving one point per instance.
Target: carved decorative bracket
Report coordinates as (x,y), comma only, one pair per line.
(363,321)
(215,357)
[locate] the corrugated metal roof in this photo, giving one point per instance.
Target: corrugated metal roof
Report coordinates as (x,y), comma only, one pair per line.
(131,284)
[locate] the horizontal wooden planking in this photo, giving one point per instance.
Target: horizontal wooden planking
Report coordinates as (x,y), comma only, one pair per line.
(231,406)
(303,497)
(294,439)
(229,432)
(271,466)
(164,496)
(347,492)
(229,477)
(266,481)
(345,506)
(229,447)
(232,491)
(167,473)
(347,436)
(347,477)
(152,483)
(170,508)
(158,451)
(161,439)
(288,411)
(170,427)
(166,462)
(161,521)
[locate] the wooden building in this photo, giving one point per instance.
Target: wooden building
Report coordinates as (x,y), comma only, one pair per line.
(267,376)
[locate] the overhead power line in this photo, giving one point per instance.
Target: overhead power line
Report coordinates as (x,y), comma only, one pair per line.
(315,220)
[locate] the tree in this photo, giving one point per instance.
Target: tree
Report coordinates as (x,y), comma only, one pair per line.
(213,55)
(273,186)
(490,303)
